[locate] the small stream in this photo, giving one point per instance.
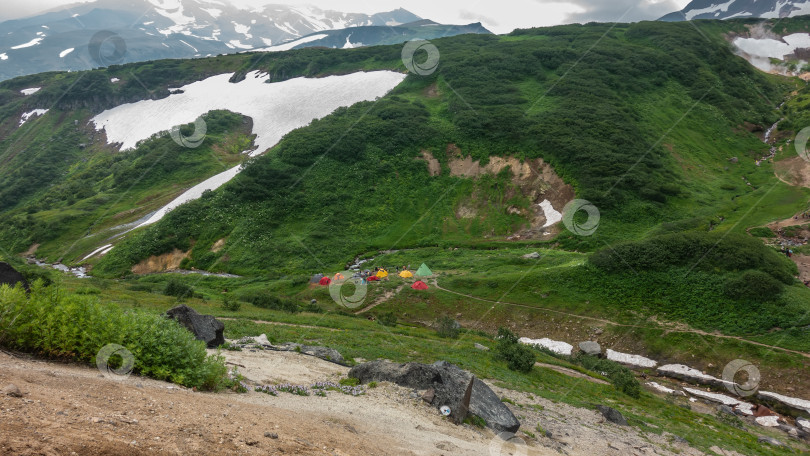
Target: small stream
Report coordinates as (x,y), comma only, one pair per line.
(77,271)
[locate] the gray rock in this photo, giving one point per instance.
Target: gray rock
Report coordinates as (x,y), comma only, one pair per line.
(271,435)
(481,347)
(532,256)
(324,353)
(734,159)
(591,348)
(612,415)
(449,383)
(204,327)
(10,276)
(12,390)
(725,409)
(770,441)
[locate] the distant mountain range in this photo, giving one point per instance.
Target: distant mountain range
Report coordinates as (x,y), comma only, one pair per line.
(718,9)
(106,32)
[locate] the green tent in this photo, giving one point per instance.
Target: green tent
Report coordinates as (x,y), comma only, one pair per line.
(424,271)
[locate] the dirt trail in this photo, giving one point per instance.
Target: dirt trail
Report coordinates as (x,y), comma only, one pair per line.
(612,323)
(71,409)
(385,297)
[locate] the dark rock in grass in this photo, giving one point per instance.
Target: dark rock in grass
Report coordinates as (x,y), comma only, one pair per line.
(591,348)
(450,385)
(204,327)
(10,276)
(612,415)
(770,441)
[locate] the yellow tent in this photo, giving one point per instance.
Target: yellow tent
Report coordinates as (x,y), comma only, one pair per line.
(339,276)
(406,274)
(382,273)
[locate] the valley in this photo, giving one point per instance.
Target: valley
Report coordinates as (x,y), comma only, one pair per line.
(640,186)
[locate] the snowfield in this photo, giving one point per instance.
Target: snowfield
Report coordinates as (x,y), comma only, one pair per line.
(633,360)
(291,44)
(276,109)
(562,348)
(27,115)
(66,52)
(760,51)
(30,91)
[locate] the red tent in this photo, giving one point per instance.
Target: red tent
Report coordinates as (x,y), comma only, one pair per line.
(373,279)
(325,281)
(419,285)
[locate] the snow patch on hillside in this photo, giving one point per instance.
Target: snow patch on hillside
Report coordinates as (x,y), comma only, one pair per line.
(633,360)
(65,52)
(291,44)
(30,91)
(716,9)
(276,109)
(3,56)
(552,215)
(759,51)
(28,115)
(33,42)
(562,348)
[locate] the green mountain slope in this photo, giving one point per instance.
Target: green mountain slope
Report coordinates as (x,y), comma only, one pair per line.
(646,121)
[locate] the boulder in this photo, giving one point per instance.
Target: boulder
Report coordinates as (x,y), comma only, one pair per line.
(11,390)
(324,353)
(481,347)
(612,415)
(450,385)
(10,276)
(204,327)
(770,441)
(532,256)
(803,424)
(591,348)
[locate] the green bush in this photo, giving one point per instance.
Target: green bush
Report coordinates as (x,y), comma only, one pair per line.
(178,289)
(387,319)
(75,327)
(518,357)
(231,304)
(762,232)
(447,327)
(754,286)
(622,378)
(265,300)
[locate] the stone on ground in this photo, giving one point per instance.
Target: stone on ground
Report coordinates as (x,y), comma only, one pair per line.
(204,327)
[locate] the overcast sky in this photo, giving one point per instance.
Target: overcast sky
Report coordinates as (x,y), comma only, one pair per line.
(500,16)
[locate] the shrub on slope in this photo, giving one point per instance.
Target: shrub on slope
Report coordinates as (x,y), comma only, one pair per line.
(54,324)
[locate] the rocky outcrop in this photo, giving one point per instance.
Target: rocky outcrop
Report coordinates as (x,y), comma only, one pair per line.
(591,348)
(792,405)
(324,353)
(612,415)
(449,384)
(10,276)
(204,327)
